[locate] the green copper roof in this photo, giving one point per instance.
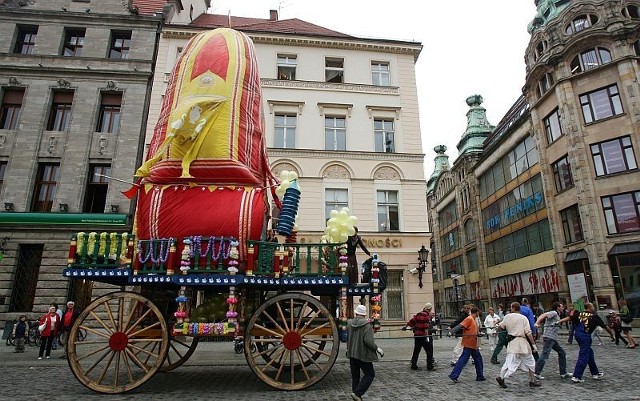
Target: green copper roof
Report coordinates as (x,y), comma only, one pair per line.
(478,128)
(546,11)
(441,164)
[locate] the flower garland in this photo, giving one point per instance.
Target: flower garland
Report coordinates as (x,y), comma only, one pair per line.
(375,299)
(205,329)
(91,243)
(80,245)
(185,262)
(113,246)
(163,253)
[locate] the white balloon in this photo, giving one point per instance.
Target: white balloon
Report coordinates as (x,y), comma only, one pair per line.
(284,174)
(351,231)
(343,215)
(292,176)
(345,209)
(333,213)
(343,237)
(353,220)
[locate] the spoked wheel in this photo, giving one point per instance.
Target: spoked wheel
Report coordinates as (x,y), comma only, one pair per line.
(296,341)
(180,350)
(127,340)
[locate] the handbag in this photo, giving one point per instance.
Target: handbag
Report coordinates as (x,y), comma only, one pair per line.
(627,318)
(42,327)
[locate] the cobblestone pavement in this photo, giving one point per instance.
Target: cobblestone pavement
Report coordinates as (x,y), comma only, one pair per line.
(215,372)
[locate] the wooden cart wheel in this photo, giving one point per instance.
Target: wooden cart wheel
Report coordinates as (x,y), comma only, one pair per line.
(296,340)
(180,350)
(127,341)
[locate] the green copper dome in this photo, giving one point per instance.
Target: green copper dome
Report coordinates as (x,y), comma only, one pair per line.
(441,164)
(546,11)
(478,128)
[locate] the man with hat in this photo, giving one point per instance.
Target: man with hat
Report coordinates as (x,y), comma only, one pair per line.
(362,351)
(68,319)
(421,325)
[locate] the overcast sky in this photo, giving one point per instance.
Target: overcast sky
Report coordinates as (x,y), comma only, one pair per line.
(469,47)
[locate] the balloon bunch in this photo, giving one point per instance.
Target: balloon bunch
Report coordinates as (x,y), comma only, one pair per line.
(340,226)
(286,178)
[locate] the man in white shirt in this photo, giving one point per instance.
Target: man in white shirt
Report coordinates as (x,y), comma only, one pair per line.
(520,348)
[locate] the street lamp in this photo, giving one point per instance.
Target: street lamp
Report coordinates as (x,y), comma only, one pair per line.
(423,254)
(455,278)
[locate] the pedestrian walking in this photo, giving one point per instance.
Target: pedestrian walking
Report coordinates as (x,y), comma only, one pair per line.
(470,334)
(457,350)
(422,336)
(585,323)
(20,333)
(490,323)
(68,319)
(501,312)
(362,351)
(625,323)
(51,327)
(614,324)
(552,322)
(54,346)
(526,310)
(520,348)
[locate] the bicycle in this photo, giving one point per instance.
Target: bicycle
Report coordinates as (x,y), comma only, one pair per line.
(34,338)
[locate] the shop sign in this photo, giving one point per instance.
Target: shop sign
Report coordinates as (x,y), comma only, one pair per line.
(539,281)
(512,213)
(577,287)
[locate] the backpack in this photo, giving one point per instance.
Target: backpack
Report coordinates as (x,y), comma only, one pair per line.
(382,272)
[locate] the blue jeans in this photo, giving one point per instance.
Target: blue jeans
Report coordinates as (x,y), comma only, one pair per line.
(462,361)
(550,344)
(360,386)
(585,355)
(571,330)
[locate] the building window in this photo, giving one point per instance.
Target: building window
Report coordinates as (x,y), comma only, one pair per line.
(46,186)
(613,156)
(287,67)
(600,104)
(448,215)
(383,132)
(580,23)
(60,113)
(26,40)
(335,199)
(545,84)
(285,131)
(631,12)
(388,217)
(450,241)
(590,59)
(11,106)
(393,303)
(73,42)
(25,280)
(472,260)
(96,197)
(120,45)
(380,73)
(571,225)
(335,133)
(552,126)
(469,231)
(530,240)
(3,171)
(109,118)
(334,70)
(562,174)
(622,212)
(541,47)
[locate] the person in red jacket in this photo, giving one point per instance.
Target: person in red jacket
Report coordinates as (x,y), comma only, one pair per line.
(422,339)
(52,325)
(68,319)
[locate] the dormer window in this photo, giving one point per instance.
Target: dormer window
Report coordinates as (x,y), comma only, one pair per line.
(590,59)
(580,23)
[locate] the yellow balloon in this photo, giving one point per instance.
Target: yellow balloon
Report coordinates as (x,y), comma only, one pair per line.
(345,209)
(333,213)
(351,231)
(343,238)
(353,220)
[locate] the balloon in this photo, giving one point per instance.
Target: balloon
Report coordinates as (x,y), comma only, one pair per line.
(353,220)
(343,237)
(333,213)
(351,231)
(292,176)
(343,214)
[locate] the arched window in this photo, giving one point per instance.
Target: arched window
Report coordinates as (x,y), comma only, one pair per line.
(540,49)
(581,22)
(631,12)
(590,59)
(469,231)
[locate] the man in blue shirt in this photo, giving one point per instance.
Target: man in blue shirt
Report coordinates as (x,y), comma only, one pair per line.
(525,310)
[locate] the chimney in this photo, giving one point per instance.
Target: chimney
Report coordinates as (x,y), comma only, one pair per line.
(273,15)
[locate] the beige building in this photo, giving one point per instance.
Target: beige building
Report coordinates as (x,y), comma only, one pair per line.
(342,112)
(557,185)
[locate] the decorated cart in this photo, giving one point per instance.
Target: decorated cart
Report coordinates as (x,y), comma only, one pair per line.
(199,263)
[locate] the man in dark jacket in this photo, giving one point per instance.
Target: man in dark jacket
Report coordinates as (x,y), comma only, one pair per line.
(362,351)
(422,336)
(68,319)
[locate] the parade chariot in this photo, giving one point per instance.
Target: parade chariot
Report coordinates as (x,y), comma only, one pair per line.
(198,263)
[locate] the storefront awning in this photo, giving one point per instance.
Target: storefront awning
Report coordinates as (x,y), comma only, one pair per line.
(577,255)
(54,219)
(627,247)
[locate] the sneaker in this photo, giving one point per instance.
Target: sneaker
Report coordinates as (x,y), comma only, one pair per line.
(452,363)
(355,397)
(535,384)
(576,380)
(39,358)
(598,376)
(539,377)
(453,380)
(566,375)
(481,379)
(48,357)
(501,382)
